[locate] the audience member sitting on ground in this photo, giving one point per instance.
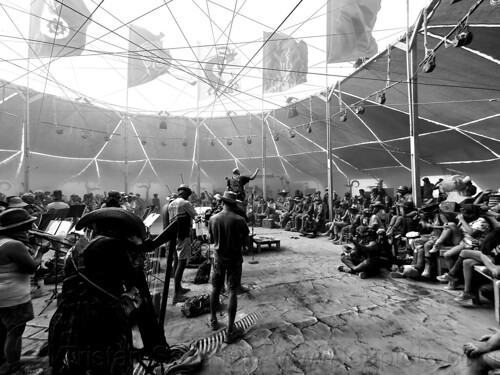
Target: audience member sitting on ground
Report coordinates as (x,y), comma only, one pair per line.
(286,212)
(313,223)
(468,233)
(347,231)
(371,252)
(297,210)
(307,210)
(342,219)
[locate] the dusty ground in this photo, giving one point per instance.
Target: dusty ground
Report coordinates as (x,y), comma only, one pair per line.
(317,320)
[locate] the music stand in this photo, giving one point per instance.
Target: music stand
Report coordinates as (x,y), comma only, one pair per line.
(54,227)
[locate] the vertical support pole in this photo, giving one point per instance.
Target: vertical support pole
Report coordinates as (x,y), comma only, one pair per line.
(329,150)
(264,152)
(26,141)
(411,71)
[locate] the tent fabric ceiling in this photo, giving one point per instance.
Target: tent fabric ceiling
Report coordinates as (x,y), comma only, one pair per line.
(457,107)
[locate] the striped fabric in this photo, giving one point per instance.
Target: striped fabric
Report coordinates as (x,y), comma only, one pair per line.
(186,357)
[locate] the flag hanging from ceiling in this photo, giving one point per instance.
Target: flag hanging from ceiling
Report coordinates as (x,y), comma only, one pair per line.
(221,71)
(285,62)
(58,28)
(147,59)
(349,29)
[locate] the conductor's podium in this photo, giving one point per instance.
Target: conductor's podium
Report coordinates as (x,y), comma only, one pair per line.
(269,241)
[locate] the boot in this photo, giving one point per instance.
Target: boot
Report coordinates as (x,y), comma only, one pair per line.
(427,270)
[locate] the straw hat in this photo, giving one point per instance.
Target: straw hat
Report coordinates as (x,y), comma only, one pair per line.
(128,220)
(15,217)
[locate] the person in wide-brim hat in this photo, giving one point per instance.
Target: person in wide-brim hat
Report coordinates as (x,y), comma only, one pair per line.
(229,197)
(185,188)
(283,193)
(127,221)
(15,217)
(15,202)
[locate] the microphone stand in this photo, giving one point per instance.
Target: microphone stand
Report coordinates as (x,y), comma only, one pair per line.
(253,260)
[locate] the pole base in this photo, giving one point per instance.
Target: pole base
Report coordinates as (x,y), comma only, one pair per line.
(253,261)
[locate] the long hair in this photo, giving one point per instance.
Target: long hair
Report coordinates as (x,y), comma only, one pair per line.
(491,241)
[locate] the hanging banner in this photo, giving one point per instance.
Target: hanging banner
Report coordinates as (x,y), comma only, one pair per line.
(349,29)
(285,62)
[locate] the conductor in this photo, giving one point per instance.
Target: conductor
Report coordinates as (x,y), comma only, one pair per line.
(237,182)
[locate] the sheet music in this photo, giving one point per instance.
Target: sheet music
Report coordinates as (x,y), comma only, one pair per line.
(150,219)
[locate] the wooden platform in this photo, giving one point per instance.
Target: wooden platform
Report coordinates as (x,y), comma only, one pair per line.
(259,241)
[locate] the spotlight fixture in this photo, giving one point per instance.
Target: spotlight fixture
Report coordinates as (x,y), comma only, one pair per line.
(229,141)
(185,142)
(230,113)
(249,140)
(163,120)
(212,142)
(309,128)
(359,109)
(343,116)
(276,137)
(380,98)
(292,133)
(84,134)
(429,63)
(463,38)
(144,142)
(59,131)
(292,107)
(107,138)
(163,143)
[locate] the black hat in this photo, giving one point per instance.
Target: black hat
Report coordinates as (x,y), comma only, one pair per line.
(185,188)
(229,197)
(15,217)
(128,220)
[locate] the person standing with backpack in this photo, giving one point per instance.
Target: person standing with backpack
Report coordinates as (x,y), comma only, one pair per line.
(228,231)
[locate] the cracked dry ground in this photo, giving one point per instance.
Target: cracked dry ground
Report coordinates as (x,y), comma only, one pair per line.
(317,320)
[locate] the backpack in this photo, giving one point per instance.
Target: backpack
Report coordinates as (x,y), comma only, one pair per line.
(196,305)
(203,273)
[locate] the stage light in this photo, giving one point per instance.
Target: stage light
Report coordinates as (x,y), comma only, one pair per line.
(212,142)
(359,109)
(249,140)
(343,116)
(463,38)
(163,120)
(309,128)
(276,137)
(292,133)
(107,138)
(230,113)
(430,63)
(185,142)
(292,107)
(84,134)
(59,131)
(229,141)
(144,142)
(380,98)
(163,143)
